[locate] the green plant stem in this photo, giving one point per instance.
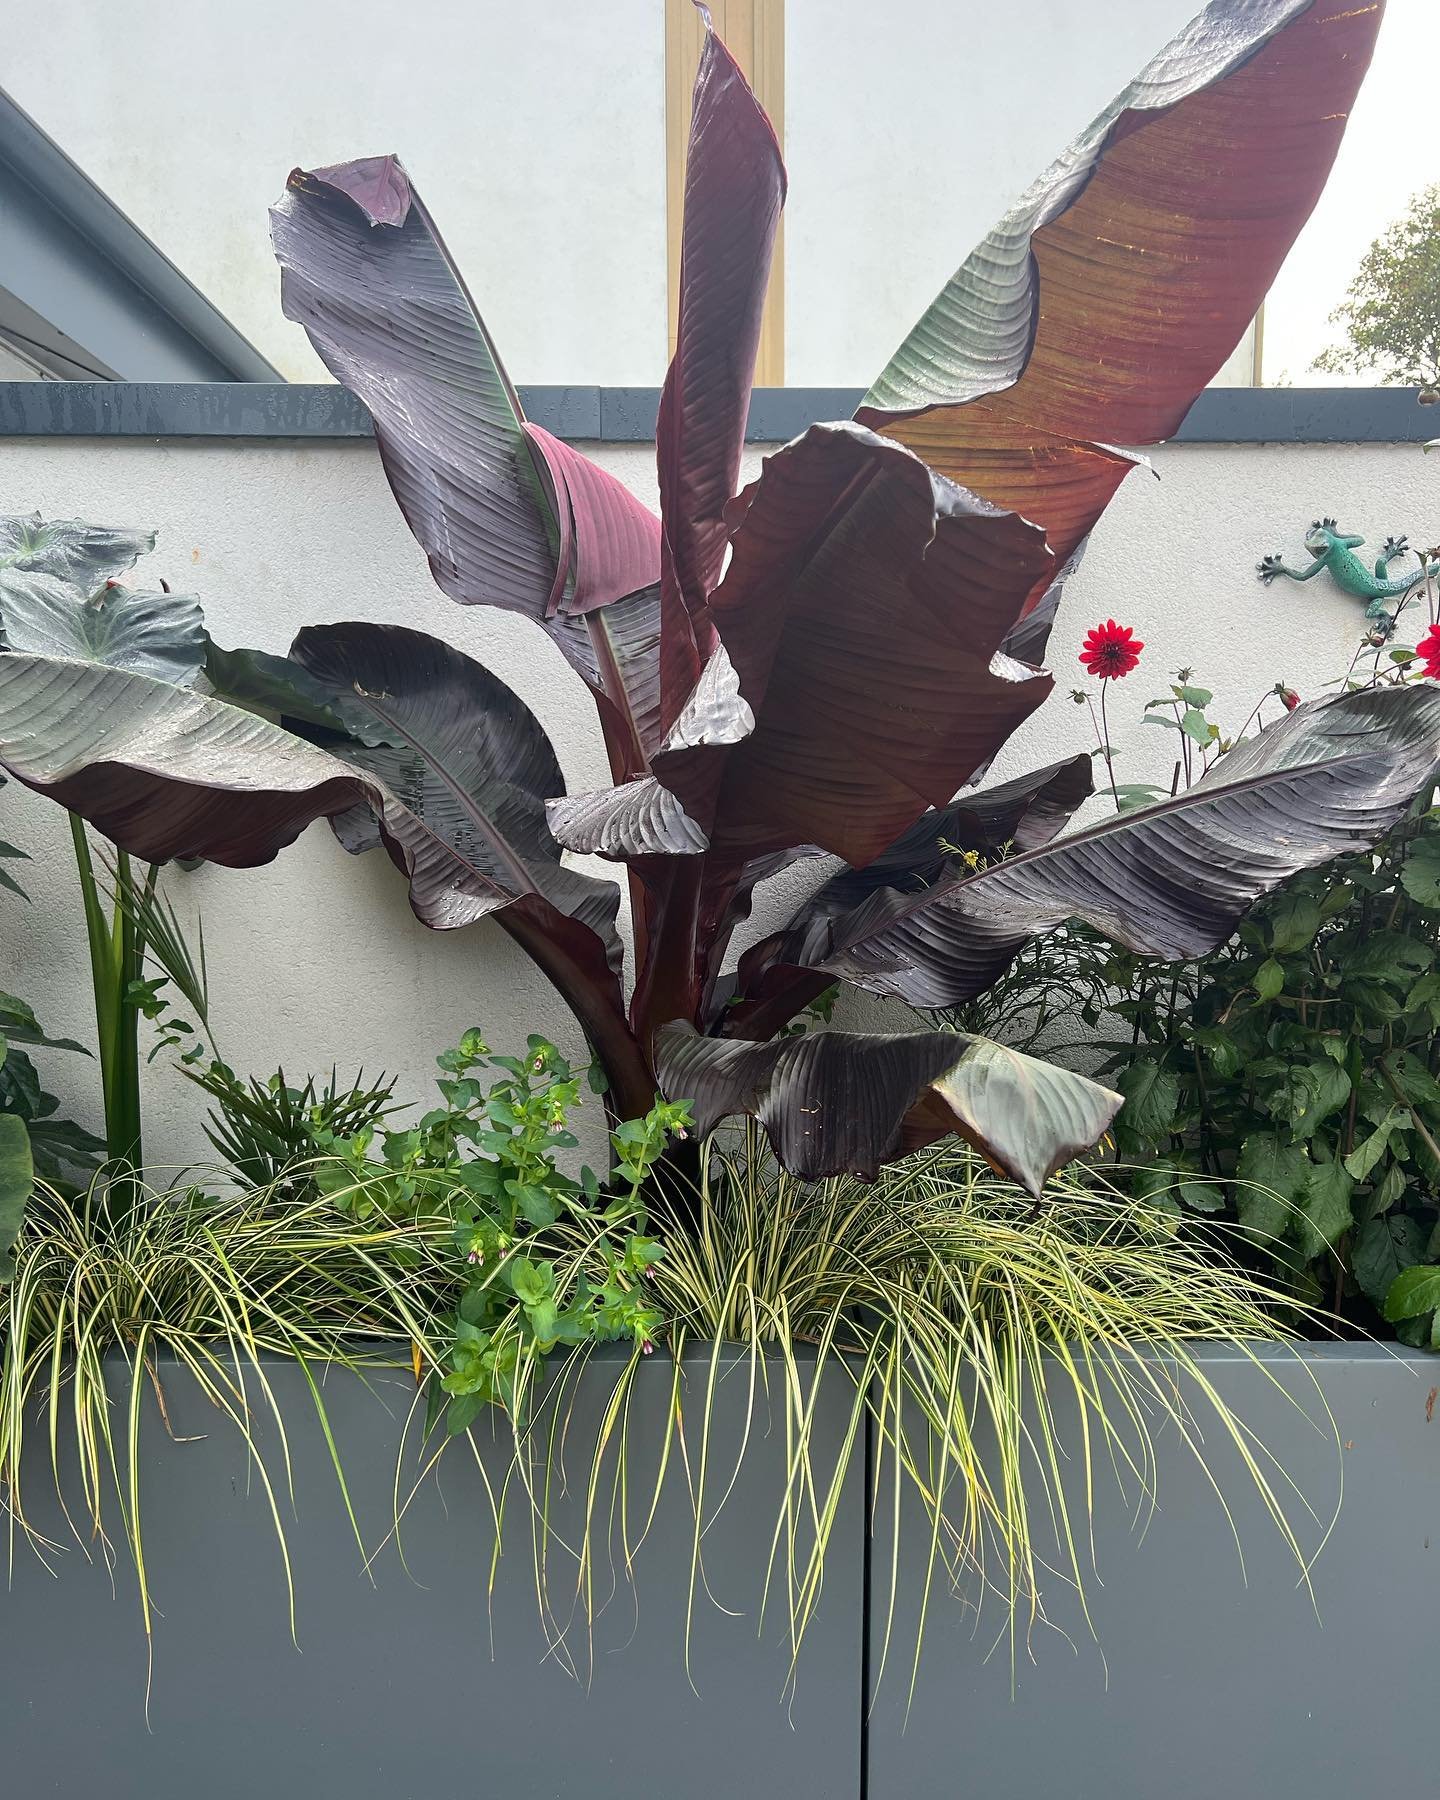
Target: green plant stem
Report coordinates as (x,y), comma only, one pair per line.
(116,950)
(1426,1136)
(1105,745)
(125,1143)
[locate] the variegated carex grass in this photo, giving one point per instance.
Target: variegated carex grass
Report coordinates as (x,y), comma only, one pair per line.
(995,1356)
(108,1303)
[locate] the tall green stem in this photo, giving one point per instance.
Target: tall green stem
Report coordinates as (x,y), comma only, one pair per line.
(1105,745)
(116,953)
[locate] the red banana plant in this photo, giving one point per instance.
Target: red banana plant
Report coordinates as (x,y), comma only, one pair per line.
(818,664)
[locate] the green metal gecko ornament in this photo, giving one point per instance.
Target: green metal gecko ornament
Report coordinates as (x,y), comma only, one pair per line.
(1334,550)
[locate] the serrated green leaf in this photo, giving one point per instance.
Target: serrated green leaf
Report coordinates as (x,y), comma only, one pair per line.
(1293,920)
(1382,1249)
(1367,1153)
(1271,1179)
(1269,979)
(1324,1209)
(1152,1095)
(1221,1049)
(1386,1192)
(1420,873)
(1384,956)
(1413,1292)
(1202,1196)
(1310,1094)
(1425,996)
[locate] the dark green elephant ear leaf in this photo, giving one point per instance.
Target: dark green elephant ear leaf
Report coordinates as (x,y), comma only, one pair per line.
(17,1180)
(157,634)
(70,549)
(837,1102)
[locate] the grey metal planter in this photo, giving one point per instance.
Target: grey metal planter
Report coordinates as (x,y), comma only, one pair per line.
(1214,1687)
(1201,1681)
(395,1690)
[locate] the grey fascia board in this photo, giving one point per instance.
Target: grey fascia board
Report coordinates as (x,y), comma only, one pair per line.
(268,409)
(151,284)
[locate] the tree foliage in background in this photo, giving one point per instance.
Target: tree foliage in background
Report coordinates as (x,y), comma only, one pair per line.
(1390,316)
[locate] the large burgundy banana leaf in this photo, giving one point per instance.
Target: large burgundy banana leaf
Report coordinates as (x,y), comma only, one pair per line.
(1018,815)
(734,190)
(507,515)
(1014,815)
(839,1101)
(1117,285)
(471,763)
(1170,881)
(855,682)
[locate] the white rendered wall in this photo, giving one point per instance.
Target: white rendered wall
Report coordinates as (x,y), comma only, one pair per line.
(535,132)
(316,959)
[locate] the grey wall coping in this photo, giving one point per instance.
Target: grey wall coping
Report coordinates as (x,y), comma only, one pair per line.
(244,409)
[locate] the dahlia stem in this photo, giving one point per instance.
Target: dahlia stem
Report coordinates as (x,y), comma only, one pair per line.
(1105,743)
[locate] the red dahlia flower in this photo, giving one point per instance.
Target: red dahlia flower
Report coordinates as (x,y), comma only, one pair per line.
(1111,650)
(1428,650)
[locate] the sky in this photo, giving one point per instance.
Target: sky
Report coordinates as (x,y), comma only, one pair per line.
(1391,150)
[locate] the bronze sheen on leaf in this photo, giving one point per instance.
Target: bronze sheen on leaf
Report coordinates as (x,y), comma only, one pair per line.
(1117,285)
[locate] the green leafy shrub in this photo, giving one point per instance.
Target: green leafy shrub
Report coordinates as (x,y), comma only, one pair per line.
(1291,1078)
(483,1164)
